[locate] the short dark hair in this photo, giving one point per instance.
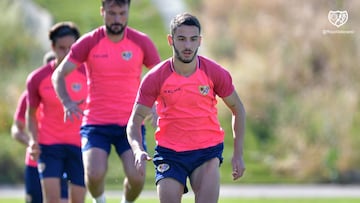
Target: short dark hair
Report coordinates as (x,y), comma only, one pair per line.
(48,56)
(184,19)
(118,2)
(63,29)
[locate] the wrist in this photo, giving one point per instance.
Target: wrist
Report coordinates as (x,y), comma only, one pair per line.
(33,142)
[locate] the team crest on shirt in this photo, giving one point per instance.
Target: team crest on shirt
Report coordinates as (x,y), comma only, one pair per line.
(163,167)
(76,87)
(126,55)
(204,89)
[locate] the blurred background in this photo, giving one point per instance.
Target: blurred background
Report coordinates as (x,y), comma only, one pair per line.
(297,74)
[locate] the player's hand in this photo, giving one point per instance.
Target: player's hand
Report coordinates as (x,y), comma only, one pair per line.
(140,161)
(238,166)
(72,110)
(34,150)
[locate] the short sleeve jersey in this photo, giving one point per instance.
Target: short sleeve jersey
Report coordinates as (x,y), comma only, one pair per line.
(186,105)
(20,116)
(41,95)
(113,72)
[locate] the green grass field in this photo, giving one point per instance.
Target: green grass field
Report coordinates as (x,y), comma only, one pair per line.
(231,200)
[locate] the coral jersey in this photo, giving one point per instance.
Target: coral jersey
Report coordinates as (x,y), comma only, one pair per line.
(186,105)
(20,116)
(113,72)
(41,94)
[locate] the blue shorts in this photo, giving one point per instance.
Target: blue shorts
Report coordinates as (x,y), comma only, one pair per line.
(180,165)
(33,185)
(103,136)
(55,160)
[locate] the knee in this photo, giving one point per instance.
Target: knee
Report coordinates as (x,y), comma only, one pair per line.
(136,179)
(94,175)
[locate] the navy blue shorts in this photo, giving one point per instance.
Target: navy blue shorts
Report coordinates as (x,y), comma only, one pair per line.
(33,185)
(55,160)
(103,136)
(180,165)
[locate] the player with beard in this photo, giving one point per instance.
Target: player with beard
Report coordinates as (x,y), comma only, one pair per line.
(114,55)
(189,139)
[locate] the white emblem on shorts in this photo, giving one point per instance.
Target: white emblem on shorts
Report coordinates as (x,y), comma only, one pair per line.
(41,167)
(84,141)
(163,167)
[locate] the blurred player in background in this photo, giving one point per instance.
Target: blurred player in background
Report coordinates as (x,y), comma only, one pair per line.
(18,132)
(53,142)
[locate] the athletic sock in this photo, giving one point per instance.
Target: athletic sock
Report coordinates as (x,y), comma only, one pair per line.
(100,199)
(123,200)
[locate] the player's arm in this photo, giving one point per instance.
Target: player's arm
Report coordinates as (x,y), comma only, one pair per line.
(31,123)
(234,103)
(18,132)
(139,113)
(58,80)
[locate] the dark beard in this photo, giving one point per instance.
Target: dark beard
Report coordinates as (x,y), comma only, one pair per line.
(114,32)
(178,56)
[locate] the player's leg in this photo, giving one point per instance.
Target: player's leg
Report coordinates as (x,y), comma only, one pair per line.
(96,148)
(51,189)
(95,167)
(205,182)
(170,175)
(77,193)
(133,182)
(50,166)
(74,169)
(32,185)
(169,190)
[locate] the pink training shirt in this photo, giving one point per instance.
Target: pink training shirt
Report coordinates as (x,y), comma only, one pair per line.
(186,105)
(113,73)
(20,116)
(41,94)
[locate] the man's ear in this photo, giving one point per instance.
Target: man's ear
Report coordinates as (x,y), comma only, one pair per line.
(170,40)
(102,11)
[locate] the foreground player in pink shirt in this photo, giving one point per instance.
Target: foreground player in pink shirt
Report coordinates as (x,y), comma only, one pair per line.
(53,142)
(114,56)
(189,137)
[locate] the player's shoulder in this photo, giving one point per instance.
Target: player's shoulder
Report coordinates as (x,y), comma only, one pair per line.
(209,64)
(137,36)
(161,67)
(93,35)
(208,61)
(132,31)
(160,71)
(41,71)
